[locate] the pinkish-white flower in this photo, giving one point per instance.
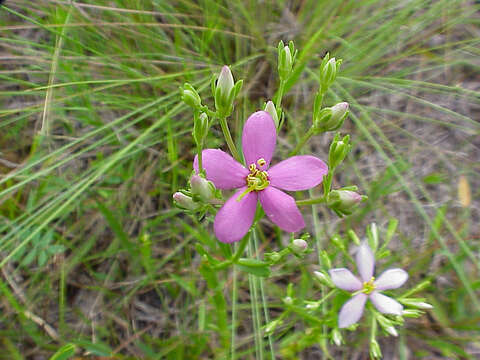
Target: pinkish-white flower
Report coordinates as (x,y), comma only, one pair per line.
(259,181)
(367,287)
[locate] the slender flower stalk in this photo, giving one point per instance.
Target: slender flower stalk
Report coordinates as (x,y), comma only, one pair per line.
(259,181)
(367,287)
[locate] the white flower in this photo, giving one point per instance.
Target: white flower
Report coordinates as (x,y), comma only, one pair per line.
(367,288)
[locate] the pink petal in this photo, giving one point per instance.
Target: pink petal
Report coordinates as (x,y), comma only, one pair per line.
(391,279)
(297,173)
(222,169)
(365,262)
(345,280)
(385,304)
(235,218)
(281,209)
(352,310)
(259,138)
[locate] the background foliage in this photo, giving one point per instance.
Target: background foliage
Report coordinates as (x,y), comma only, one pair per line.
(94,141)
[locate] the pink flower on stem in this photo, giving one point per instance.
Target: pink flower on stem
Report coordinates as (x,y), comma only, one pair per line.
(259,181)
(367,288)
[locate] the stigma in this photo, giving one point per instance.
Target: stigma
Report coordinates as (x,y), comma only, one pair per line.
(369,286)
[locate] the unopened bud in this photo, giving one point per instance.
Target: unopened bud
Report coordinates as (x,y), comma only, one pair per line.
(328,71)
(288,300)
(324,279)
(412,313)
(190,96)
(343,201)
(375,351)
(271,326)
(330,119)
(299,245)
(270,108)
(391,330)
(416,303)
(338,150)
(225,92)
(326,262)
(183,201)
(200,127)
(337,337)
(285,61)
(225,81)
(201,187)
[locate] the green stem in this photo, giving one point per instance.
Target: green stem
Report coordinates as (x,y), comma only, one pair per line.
(252,279)
(200,160)
(281,89)
(228,139)
(311,201)
(264,304)
(241,249)
(234,309)
(302,141)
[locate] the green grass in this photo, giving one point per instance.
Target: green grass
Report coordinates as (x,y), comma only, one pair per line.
(94,140)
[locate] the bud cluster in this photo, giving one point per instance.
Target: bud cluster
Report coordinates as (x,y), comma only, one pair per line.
(201,192)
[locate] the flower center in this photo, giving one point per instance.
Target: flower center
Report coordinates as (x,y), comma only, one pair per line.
(369,286)
(257,180)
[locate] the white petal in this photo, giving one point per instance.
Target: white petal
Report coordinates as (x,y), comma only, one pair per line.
(365,261)
(391,279)
(385,304)
(352,310)
(345,280)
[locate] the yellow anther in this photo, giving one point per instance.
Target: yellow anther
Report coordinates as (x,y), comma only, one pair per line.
(261,162)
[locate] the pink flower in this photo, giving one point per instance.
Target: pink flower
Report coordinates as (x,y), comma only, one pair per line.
(367,288)
(259,181)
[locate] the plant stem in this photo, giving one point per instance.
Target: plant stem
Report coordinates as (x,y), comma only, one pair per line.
(281,89)
(200,160)
(311,201)
(264,304)
(252,279)
(241,249)
(228,139)
(302,141)
(234,309)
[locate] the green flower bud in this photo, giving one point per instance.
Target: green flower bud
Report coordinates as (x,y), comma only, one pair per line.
(225,81)
(391,330)
(299,245)
(270,108)
(326,262)
(336,337)
(330,119)
(375,351)
(323,278)
(328,71)
(200,127)
(288,300)
(338,151)
(190,96)
(271,326)
(343,201)
(224,92)
(412,313)
(416,303)
(203,188)
(184,202)
(285,60)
